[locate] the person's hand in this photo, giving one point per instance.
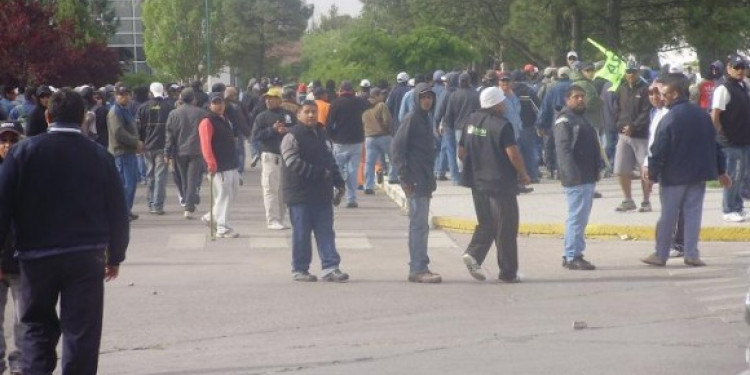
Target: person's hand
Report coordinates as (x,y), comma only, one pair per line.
(725,181)
(441,130)
(111,272)
(540,133)
(644,174)
(627,130)
(408,189)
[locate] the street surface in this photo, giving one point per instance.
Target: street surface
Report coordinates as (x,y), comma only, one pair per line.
(186,305)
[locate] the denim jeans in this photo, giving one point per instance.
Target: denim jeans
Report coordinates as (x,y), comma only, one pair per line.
(738,159)
(347,158)
(141,168)
(610,144)
(580,199)
(241,154)
(14,287)
(689,200)
(529,144)
(156,179)
(441,161)
(376,148)
(448,154)
(315,218)
(127,166)
(419,229)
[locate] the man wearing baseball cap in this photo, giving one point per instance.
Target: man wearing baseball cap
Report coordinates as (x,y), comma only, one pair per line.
(493,167)
(124,144)
(394,102)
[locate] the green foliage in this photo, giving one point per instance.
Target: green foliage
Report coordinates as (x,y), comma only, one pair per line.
(93,19)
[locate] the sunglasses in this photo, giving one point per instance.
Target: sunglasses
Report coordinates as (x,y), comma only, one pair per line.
(739,67)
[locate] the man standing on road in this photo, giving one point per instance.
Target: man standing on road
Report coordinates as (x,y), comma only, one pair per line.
(493,167)
(270,127)
(730,114)
(310,173)
(461,103)
(345,128)
(184,148)
(413,152)
(218,149)
(68,244)
(683,157)
(124,144)
(578,159)
(152,129)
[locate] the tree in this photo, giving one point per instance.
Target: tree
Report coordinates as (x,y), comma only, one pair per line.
(255,27)
(175,40)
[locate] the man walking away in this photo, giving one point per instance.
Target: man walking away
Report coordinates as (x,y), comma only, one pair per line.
(578,158)
(310,173)
(493,167)
(413,152)
(67,245)
(152,129)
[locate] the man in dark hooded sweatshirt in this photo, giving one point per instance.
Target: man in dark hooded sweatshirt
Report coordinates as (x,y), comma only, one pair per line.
(462,103)
(413,153)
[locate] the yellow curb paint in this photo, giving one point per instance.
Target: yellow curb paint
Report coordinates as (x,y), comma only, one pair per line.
(622,232)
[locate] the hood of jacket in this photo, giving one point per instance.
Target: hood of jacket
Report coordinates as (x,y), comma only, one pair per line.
(421,88)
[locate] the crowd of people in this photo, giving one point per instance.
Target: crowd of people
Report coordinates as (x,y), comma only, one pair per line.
(319,145)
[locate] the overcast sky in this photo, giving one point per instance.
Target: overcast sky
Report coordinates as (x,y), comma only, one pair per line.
(352,7)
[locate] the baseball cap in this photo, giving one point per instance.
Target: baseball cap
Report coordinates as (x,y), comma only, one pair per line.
(402,77)
(572,54)
(274,91)
(157,89)
(215,97)
(676,68)
(631,65)
(736,61)
(122,90)
(503,76)
(43,90)
(11,126)
(563,72)
(346,86)
(438,75)
(491,97)
(365,83)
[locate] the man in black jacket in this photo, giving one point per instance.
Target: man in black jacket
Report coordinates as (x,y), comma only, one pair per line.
(578,160)
(270,126)
(67,243)
(461,103)
(493,167)
(151,120)
(37,123)
(413,153)
(309,175)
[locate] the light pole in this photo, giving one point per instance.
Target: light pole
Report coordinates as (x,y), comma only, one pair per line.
(208,45)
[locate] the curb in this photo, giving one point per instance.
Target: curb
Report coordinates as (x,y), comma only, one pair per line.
(623,232)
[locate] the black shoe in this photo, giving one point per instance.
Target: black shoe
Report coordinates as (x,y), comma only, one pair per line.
(255,161)
(242,182)
(393,182)
(565,262)
(360,187)
(380,177)
(510,280)
(578,263)
(442,178)
(352,205)
(597,194)
(369,191)
(156,211)
(133,216)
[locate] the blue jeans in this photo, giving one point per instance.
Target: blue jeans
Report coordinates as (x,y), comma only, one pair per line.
(580,199)
(141,167)
(441,163)
(448,154)
(241,154)
(127,166)
(156,179)
(315,218)
(529,144)
(376,148)
(738,159)
(347,158)
(419,229)
(689,200)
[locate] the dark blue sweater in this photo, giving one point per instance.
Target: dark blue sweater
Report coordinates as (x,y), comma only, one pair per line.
(685,149)
(62,194)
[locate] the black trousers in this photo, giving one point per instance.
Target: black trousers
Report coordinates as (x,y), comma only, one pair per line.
(78,280)
(191,174)
(497,215)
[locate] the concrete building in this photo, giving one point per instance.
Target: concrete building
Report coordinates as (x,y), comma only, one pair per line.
(128,40)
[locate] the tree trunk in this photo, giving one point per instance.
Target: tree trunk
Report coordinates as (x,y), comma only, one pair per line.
(613,24)
(576,26)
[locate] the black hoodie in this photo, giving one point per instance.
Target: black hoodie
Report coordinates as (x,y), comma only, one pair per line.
(413,148)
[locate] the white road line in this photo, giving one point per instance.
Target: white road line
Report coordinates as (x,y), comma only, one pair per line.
(722,287)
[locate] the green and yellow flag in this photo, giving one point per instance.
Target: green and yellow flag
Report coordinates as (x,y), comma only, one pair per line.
(613,69)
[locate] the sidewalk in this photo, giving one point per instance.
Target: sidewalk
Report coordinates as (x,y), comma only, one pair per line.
(544,212)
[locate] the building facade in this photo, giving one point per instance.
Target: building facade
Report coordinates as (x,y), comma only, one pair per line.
(128,40)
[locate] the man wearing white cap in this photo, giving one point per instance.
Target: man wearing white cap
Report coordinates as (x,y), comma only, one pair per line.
(151,119)
(493,166)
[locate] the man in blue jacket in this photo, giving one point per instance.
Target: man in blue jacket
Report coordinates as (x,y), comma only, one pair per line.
(69,240)
(684,156)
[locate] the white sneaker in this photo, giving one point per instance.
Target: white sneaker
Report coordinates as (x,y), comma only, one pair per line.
(276,226)
(475,270)
(188,215)
(734,217)
(228,234)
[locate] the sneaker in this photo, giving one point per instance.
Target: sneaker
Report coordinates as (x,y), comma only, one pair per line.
(379,177)
(336,276)
(597,195)
(674,253)
(654,260)
(360,187)
(156,211)
(565,262)
(206,220)
(304,276)
(578,263)
(352,205)
(645,207)
(626,205)
(734,217)
(228,234)
(275,225)
(442,178)
(425,277)
(512,280)
(369,191)
(188,215)
(525,189)
(475,270)
(133,217)
(694,261)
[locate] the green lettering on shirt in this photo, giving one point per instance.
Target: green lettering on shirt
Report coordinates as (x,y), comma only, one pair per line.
(477,131)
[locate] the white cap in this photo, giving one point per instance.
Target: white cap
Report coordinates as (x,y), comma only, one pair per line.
(676,68)
(491,97)
(365,83)
(402,77)
(411,82)
(564,71)
(572,53)
(157,90)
